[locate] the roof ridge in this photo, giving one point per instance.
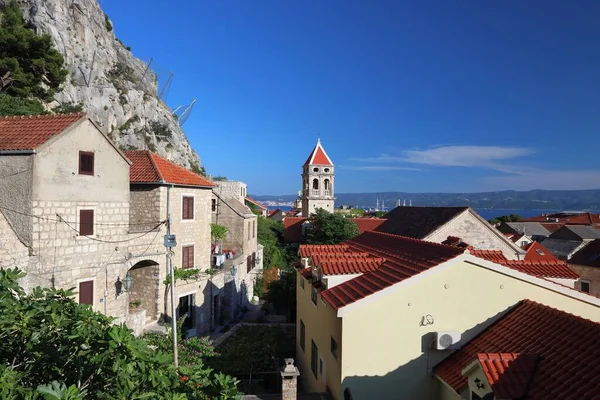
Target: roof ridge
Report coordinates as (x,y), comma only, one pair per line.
(37,116)
(444,246)
(151,157)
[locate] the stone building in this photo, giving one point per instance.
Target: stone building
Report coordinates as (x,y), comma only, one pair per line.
(239,253)
(64,194)
(317,182)
(158,187)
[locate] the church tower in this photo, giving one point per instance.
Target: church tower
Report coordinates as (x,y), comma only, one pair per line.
(317,182)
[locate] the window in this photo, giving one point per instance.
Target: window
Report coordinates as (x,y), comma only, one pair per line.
(249,230)
(314,357)
(213,205)
(187,257)
(253,229)
(313,295)
(86,163)
(322,368)
(523,243)
(540,252)
(585,286)
(326,169)
(347,394)
(86,222)
(316,169)
(315,184)
(86,292)
(186,308)
(302,335)
(302,282)
(334,348)
(188,208)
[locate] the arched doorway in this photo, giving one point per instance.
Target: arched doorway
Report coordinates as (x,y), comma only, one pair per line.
(145,287)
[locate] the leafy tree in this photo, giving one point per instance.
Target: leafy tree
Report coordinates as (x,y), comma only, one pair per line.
(218,232)
(270,235)
(219,178)
(35,67)
(328,228)
(55,348)
(379,214)
(505,218)
(10,105)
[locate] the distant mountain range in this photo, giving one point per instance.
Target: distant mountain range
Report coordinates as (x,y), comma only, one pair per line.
(509,199)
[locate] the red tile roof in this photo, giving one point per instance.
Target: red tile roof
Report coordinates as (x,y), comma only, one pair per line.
(495,256)
(29,132)
(404,258)
(346,263)
(565,218)
(567,346)
(550,268)
(306,273)
(309,250)
(273,212)
(149,167)
(318,156)
(546,269)
(509,374)
(537,252)
(257,203)
(292,229)
(368,224)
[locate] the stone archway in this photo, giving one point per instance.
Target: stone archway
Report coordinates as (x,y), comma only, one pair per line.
(145,287)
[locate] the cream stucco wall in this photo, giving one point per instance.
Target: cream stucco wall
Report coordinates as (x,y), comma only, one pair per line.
(321,324)
(387,347)
(478,234)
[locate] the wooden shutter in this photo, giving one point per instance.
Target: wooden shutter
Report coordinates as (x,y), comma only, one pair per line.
(86,292)
(86,163)
(188,208)
(86,222)
(188,257)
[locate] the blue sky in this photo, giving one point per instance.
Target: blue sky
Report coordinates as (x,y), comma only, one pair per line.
(427,96)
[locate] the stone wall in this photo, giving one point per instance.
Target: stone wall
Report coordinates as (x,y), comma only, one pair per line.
(232,190)
(16,177)
(13,253)
(478,234)
(144,209)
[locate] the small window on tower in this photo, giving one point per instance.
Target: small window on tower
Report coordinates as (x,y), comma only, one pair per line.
(316,169)
(326,169)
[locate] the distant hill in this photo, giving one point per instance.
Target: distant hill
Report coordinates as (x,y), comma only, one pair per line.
(509,199)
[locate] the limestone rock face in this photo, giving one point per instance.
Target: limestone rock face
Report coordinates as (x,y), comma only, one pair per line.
(117,90)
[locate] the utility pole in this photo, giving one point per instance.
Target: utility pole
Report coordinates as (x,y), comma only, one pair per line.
(169,244)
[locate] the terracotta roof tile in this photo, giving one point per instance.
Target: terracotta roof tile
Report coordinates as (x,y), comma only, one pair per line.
(149,167)
(509,374)
(29,132)
(404,258)
(567,368)
(349,262)
(292,229)
(309,250)
(537,252)
(273,212)
(368,224)
(491,255)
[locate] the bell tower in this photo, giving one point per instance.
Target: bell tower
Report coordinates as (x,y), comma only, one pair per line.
(317,182)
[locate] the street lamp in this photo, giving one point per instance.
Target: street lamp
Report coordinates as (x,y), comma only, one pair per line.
(127,282)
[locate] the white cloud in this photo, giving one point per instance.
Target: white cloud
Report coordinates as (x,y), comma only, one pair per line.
(377,168)
(457,156)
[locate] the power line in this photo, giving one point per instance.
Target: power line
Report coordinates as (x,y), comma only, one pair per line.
(112,241)
(49,219)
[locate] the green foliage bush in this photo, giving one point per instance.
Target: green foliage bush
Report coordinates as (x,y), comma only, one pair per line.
(327,228)
(109,26)
(505,218)
(218,232)
(35,66)
(55,348)
(10,105)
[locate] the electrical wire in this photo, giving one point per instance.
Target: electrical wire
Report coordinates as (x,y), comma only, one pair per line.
(49,219)
(114,241)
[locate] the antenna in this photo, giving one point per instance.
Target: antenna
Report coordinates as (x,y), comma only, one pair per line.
(186,113)
(166,87)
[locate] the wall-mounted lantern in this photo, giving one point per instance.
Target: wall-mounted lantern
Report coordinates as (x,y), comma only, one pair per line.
(127,282)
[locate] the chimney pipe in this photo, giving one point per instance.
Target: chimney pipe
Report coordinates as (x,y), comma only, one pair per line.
(289,380)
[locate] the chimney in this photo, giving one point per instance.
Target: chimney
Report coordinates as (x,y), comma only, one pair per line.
(289,380)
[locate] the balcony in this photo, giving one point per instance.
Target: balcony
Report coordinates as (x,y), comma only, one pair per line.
(327,193)
(314,192)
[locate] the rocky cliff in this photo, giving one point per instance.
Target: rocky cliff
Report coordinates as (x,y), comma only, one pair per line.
(116,89)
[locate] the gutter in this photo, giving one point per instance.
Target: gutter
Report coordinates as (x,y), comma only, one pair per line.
(15,152)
